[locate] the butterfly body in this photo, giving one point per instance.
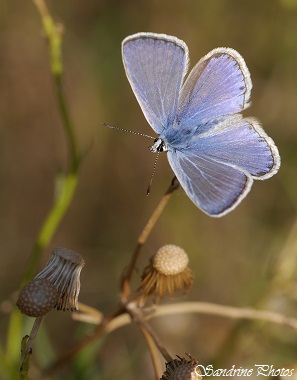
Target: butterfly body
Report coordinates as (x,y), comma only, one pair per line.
(214,152)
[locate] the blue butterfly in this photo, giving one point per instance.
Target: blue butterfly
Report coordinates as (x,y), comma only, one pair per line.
(214,152)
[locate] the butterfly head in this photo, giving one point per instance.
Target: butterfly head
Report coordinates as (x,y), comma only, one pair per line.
(159,146)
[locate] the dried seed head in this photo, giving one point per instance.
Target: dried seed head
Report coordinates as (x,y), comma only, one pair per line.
(166,273)
(37,298)
(63,270)
(182,369)
(170,259)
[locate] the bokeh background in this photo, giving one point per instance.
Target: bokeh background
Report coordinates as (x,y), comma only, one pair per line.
(247,258)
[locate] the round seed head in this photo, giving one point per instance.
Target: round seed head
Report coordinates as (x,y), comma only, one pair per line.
(37,298)
(170,260)
(167,272)
(182,369)
(185,372)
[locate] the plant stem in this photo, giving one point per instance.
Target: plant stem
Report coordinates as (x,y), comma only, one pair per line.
(136,315)
(154,353)
(87,340)
(119,318)
(53,33)
(65,185)
(143,238)
(29,343)
(52,221)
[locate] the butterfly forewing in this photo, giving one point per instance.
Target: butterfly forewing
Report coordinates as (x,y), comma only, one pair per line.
(155,66)
(218,86)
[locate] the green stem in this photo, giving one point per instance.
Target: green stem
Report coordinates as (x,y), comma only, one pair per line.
(52,222)
(47,231)
(53,33)
(67,124)
(65,185)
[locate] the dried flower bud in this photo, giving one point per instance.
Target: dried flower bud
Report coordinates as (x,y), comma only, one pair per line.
(63,270)
(166,273)
(182,369)
(37,298)
(170,260)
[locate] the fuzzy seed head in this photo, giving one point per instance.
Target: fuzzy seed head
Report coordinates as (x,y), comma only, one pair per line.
(37,298)
(170,260)
(167,273)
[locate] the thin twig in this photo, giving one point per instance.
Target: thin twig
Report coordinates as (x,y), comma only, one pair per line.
(120,318)
(154,353)
(29,343)
(86,341)
(143,238)
(136,315)
(227,311)
(209,309)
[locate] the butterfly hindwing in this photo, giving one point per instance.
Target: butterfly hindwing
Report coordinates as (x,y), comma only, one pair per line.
(241,143)
(217,168)
(213,186)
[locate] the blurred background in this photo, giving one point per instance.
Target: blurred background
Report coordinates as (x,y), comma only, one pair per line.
(246,258)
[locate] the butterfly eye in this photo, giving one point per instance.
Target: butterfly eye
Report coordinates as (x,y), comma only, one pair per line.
(162,147)
(158,146)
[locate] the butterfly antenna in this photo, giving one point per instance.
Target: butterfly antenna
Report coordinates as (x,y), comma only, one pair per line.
(153,173)
(127,130)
